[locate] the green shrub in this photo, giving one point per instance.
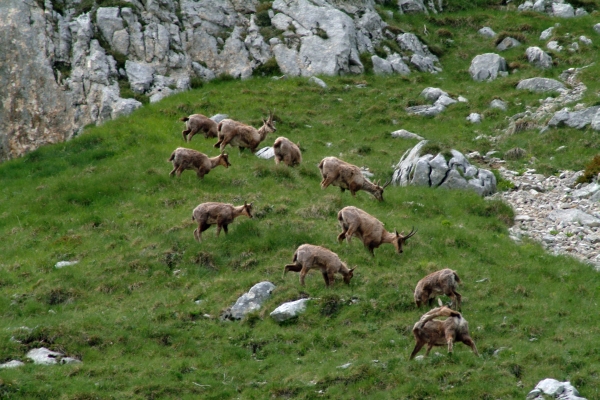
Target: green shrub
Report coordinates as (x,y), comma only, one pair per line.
(591,171)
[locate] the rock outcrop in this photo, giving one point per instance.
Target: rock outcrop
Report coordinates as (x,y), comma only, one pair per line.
(450,172)
(250,301)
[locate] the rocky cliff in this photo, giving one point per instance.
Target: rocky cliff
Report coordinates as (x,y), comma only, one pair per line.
(70,63)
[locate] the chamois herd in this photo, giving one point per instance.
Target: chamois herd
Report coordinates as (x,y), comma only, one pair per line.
(352,220)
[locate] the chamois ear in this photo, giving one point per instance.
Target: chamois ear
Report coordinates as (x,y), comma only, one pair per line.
(396,230)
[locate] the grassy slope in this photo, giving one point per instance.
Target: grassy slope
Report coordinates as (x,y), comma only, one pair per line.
(105,199)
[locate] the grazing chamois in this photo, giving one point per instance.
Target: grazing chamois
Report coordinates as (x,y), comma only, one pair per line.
(287,151)
(241,135)
(222,214)
(432,332)
(309,256)
(183,159)
(444,281)
(347,176)
(356,222)
(196,123)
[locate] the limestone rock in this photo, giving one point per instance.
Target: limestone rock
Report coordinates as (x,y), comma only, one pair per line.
(554,389)
(597,28)
(554,46)
(563,10)
(507,43)
(265,153)
(289,310)
(486,31)
(547,34)
(540,85)
(318,82)
(575,119)
(404,134)
(251,301)
(474,118)
(431,94)
(381,66)
(538,57)
(573,215)
(12,364)
(499,104)
(487,66)
(43,356)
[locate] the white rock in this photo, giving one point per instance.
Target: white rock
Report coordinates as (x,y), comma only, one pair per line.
(289,310)
(404,134)
(12,364)
(62,264)
(265,153)
(43,356)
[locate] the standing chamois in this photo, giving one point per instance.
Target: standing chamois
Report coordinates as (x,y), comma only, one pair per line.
(356,222)
(207,214)
(444,281)
(235,133)
(183,159)
(287,151)
(347,176)
(309,256)
(196,123)
(432,332)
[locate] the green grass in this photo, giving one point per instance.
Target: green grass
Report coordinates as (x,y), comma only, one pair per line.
(128,308)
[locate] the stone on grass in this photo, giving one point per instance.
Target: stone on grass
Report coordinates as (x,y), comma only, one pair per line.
(43,356)
(381,66)
(547,34)
(289,310)
(62,264)
(487,66)
(219,117)
(538,57)
(499,104)
(597,28)
(431,94)
(265,153)
(486,31)
(12,364)
(563,10)
(251,301)
(554,389)
(540,85)
(507,43)
(404,134)
(317,81)
(585,40)
(554,46)
(474,118)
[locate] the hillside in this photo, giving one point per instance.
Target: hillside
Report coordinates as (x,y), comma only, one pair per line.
(141,307)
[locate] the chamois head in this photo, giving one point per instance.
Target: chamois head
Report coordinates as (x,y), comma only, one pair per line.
(400,239)
(224,160)
(268,125)
(349,276)
(378,190)
(247,210)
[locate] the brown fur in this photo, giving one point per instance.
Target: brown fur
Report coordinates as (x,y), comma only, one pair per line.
(221,214)
(183,159)
(347,176)
(308,256)
(243,136)
(198,123)
(432,332)
(444,281)
(286,151)
(356,222)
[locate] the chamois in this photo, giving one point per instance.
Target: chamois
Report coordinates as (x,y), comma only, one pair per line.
(347,176)
(286,151)
(196,123)
(241,135)
(432,332)
(356,222)
(222,214)
(183,159)
(444,281)
(309,256)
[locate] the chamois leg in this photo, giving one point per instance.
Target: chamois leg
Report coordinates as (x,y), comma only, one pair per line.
(225,229)
(303,273)
(200,173)
(173,172)
(450,340)
(202,226)
(331,277)
(326,278)
(429,347)
(218,144)
(191,135)
(327,180)
(180,169)
(417,348)
(341,237)
(349,232)
(469,342)
(197,235)
(457,300)
(370,247)
(184,134)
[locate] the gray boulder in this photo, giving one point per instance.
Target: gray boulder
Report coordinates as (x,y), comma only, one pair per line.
(499,104)
(219,117)
(12,364)
(538,57)
(574,119)
(445,101)
(563,10)
(411,7)
(554,46)
(426,110)
(381,66)
(457,173)
(404,134)
(586,191)
(431,94)
(540,85)
(585,40)
(265,153)
(573,215)
(398,65)
(289,310)
(597,28)
(410,42)
(474,118)
(317,81)
(251,301)
(554,389)
(109,21)
(595,123)
(487,32)
(43,356)
(140,76)
(487,66)
(507,43)
(547,34)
